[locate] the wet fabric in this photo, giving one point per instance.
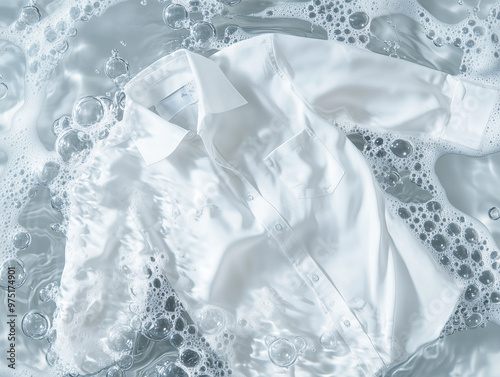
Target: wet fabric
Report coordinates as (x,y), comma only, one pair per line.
(233,166)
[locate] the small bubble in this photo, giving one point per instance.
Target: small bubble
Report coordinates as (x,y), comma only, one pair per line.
(328,340)
(465,271)
(461,252)
(404,213)
(46,175)
(35,324)
(494,213)
(495,297)
(114,372)
(472,292)
(453,229)
(190,358)
(173,370)
(22,240)
(487,278)
(125,362)
(4,89)
(471,235)
(74,13)
(117,69)
(50,34)
(474,320)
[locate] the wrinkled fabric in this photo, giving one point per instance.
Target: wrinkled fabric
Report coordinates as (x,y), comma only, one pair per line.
(233,166)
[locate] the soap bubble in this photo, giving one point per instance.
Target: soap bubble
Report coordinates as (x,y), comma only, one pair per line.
(74,13)
(172,371)
(472,292)
(203,32)
(114,372)
(73,146)
(474,320)
(494,213)
(461,252)
(176,340)
(30,15)
(49,171)
(173,15)
(61,124)
(465,271)
(471,235)
(88,111)
(125,362)
(328,340)
(359,20)
(439,242)
(282,352)
(20,274)
(121,339)
(190,358)
(50,34)
(158,330)
(211,320)
(487,278)
(4,89)
(117,69)
(35,324)
(21,240)
(404,213)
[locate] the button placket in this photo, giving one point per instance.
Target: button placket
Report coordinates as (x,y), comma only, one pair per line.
(342,318)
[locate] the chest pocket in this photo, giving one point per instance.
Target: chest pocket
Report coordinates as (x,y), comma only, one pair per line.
(305,166)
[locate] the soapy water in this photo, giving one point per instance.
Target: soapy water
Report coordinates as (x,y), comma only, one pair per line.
(459,38)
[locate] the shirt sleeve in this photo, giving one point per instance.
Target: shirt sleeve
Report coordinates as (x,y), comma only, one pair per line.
(381,92)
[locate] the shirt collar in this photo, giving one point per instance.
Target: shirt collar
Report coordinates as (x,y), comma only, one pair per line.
(155,137)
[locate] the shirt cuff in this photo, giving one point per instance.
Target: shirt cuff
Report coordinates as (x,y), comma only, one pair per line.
(470,108)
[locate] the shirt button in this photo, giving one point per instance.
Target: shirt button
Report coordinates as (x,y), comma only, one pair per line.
(347,323)
(249,197)
(278,227)
(190,135)
(315,278)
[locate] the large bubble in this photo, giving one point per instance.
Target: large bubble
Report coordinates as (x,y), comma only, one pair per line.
(21,240)
(211,320)
(282,352)
(174,15)
(12,273)
(49,171)
(88,111)
(35,324)
(158,329)
(359,20)
(117,69)
(190,358)
(30,15)
(203,32)
(73,146)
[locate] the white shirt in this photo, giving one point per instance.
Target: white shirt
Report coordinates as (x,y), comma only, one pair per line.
(233,170)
